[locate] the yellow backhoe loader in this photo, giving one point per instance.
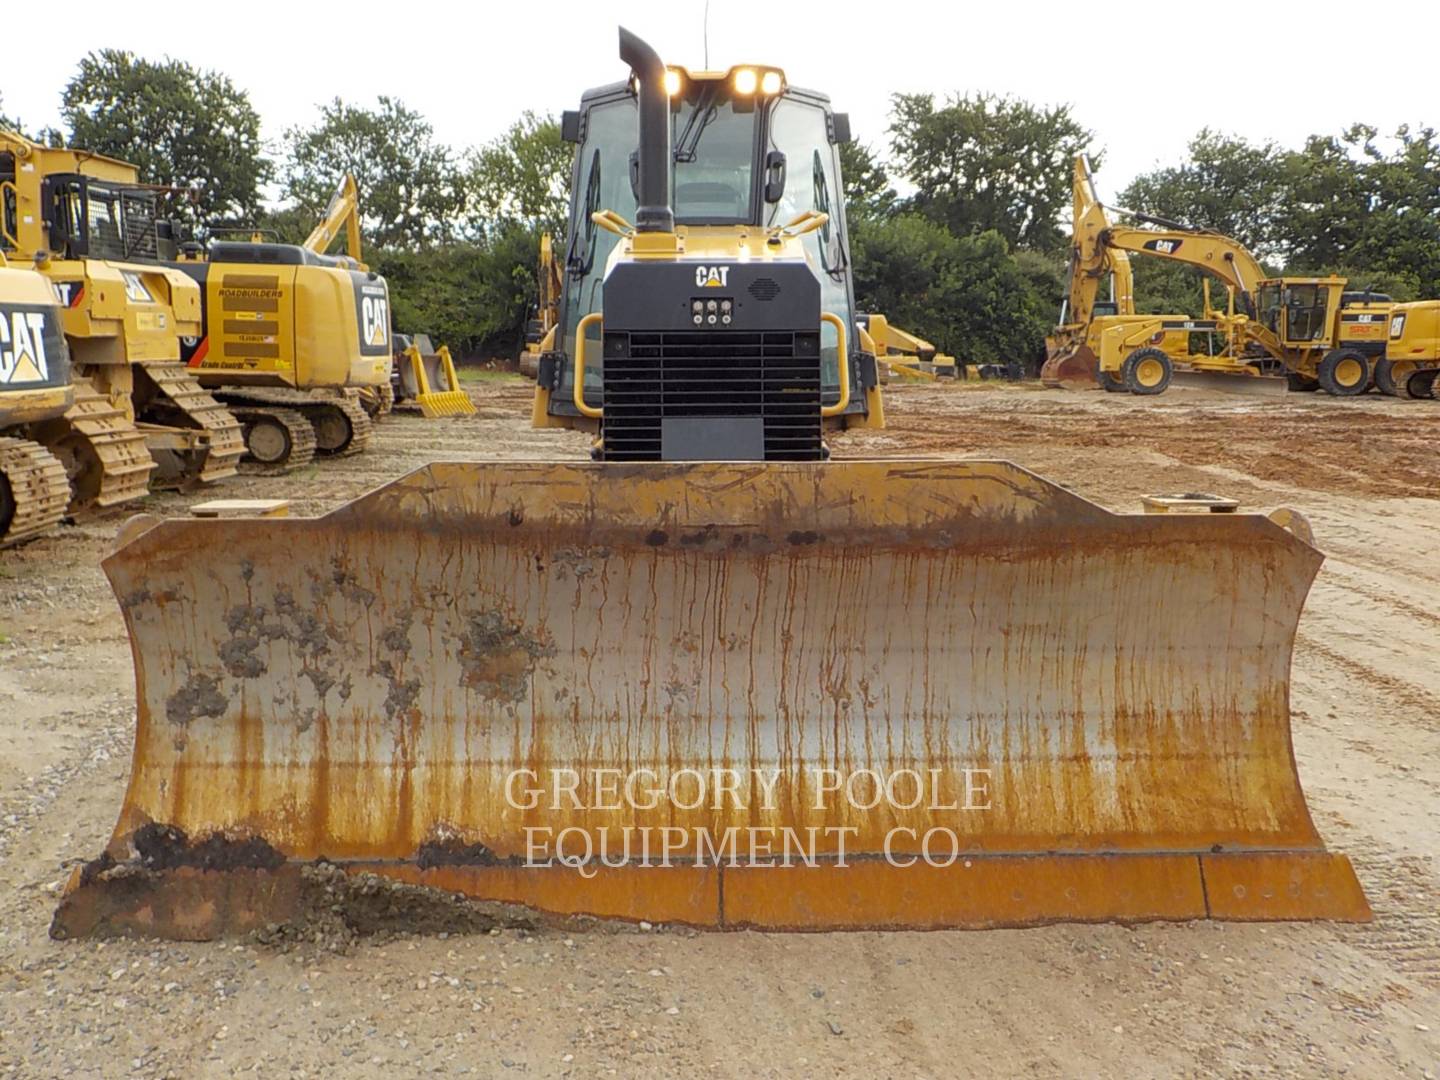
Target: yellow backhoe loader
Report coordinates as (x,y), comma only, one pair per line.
(293,335)
(1412,351)
(1314,332)
(711,677)
(35,395)
(89,226)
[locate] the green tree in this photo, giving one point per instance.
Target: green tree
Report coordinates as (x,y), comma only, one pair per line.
(967,295)
(1329,196)
(522,177)
(1227,184)
(472,295)
(867,185)
(982,162)
(411,190)
(179,125)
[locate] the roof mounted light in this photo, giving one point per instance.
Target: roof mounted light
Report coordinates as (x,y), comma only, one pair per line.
(672,82)
(771,83)
(746,81)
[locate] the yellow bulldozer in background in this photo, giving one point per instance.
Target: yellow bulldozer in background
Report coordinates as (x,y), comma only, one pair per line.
(292,336)
(35,395)
(1311,332)
(711,677)
(88,225)
(1412,351)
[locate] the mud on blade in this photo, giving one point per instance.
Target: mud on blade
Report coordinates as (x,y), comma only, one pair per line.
(1077,715)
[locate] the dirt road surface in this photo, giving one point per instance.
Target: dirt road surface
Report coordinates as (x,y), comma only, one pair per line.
(1196,999)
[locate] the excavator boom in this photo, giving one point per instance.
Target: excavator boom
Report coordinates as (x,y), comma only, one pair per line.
(342,212)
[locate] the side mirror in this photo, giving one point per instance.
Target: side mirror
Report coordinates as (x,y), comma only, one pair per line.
(840,127)
(570,126)
(774,176)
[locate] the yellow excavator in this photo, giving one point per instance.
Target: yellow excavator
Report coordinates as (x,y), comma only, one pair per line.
(1314,332)
(292,335)
(35,395)
(711,677)
(86,222)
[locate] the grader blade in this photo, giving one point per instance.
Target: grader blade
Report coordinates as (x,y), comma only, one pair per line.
(795,696)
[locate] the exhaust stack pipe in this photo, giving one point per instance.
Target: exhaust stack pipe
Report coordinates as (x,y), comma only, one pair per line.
(654,213)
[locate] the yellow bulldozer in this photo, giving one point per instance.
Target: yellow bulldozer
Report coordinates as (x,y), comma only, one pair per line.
(1300,333)
(86,222)
(711,677)
(293,335)
(1412,351)
(35,395)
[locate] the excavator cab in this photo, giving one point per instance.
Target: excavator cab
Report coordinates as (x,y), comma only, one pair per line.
(729,332)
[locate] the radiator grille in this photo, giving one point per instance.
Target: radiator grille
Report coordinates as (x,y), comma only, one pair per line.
(764,289)
(771,375)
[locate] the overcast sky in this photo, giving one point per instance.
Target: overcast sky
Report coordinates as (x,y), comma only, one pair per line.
(1143,76)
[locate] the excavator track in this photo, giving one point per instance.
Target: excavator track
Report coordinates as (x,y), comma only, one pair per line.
(34,490)
(103,452)
(341,424)
(276,440)
(225,440)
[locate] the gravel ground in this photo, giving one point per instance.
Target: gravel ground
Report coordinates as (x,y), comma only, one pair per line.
(581,1000)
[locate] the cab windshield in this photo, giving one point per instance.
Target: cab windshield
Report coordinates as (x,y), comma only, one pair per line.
(714,148)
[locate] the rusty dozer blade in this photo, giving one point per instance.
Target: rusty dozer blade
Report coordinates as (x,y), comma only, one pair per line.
(800,696)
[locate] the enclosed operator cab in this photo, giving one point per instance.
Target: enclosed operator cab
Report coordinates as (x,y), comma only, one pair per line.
(1320,313)
(720,325)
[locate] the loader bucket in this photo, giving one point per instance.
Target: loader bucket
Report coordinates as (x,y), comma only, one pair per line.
(1070,368)
(805,696)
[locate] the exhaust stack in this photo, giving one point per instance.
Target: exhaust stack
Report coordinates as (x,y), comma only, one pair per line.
(654,213)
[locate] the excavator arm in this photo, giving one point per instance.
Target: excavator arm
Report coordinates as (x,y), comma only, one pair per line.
(1217,255)
(342,212)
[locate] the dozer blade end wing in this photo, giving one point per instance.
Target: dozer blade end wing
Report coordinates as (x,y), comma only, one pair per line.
(805,696)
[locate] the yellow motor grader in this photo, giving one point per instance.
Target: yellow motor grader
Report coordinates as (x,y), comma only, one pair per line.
(712,677)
